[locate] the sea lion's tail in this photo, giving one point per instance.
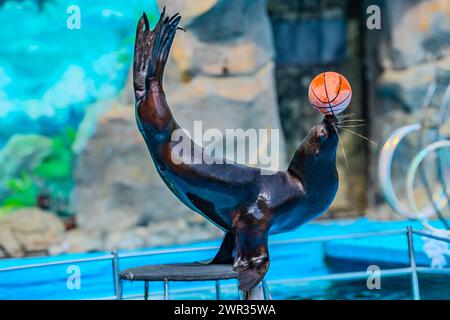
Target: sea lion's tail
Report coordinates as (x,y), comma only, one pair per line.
(151,50)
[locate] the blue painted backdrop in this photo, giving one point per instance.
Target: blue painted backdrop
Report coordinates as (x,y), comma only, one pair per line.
(57,59)
(49,74)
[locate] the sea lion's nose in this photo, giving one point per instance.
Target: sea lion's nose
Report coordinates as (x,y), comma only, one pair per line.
(329,120)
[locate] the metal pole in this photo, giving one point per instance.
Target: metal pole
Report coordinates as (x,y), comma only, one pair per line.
(431,236)
(265,289)
(166,289)
(412,261)
(119,291)
(117,284)
(276,242)
(217,290)
(57,263)
(146,290)
(240,293)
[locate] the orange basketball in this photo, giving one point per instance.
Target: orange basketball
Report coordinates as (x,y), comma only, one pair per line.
(330,93)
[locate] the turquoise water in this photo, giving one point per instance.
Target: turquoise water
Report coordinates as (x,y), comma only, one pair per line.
(432,287)
(289,263)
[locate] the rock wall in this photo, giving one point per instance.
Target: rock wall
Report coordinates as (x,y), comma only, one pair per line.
(220,72)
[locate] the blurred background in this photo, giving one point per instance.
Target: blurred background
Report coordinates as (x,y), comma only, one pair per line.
(75,174)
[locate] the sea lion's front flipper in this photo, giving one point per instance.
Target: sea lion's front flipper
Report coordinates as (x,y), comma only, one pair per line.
(225,253)
(252,254)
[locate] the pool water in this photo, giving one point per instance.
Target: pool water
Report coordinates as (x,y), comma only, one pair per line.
(432,287)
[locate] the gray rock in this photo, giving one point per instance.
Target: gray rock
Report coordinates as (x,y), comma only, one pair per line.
(408,87)
(420,31)
(231,38)
(128,239)
(183,230)
(30,231)
(162,233)
(84,240)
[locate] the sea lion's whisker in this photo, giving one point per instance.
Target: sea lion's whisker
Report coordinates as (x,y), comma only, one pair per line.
(345,116)
(348,119)
(351,125)
(342,146)
(359,135)
(351,120)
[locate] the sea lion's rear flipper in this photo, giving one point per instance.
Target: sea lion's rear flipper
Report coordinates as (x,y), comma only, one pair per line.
(151,50)
(225,253)
(252,255)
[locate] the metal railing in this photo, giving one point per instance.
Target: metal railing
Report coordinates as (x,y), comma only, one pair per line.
(413,270)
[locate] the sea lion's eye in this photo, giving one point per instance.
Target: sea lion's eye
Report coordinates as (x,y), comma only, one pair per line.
(322,134)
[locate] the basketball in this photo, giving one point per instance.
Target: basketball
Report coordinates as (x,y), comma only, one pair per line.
(330,93)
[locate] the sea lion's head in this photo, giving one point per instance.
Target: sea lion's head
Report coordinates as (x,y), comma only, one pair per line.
(317,152)
(322,140)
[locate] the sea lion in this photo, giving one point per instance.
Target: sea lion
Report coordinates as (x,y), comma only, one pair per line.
(248,206)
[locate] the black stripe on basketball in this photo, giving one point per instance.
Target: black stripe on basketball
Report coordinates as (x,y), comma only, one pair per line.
(312,90)
(333,106)
(326,92)
(339,89)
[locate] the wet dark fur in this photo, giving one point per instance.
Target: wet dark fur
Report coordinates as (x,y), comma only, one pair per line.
(248,206)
